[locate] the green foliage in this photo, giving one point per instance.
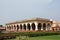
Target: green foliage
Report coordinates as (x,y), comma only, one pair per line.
(20,38)
(28,34)
(34,34)
(23,38)
(52,37)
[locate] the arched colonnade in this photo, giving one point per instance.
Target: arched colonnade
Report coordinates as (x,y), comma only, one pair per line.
(28,27)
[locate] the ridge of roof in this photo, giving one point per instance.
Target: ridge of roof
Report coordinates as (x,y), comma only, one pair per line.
(30,19)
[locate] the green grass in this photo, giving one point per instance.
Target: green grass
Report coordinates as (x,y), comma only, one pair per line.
(55,37)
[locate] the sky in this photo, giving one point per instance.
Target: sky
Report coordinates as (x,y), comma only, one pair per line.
(14,10)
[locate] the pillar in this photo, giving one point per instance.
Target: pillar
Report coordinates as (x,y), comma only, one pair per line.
(41,26)
(36,26)
(16,27)
(26,27)
(7,27)
(13,27)
(22,27)
(30,26)
(19,27)
(47,27)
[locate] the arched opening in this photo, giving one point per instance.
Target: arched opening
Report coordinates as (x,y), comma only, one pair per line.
(44,26)
(14,27)
(33,26)
(20,26)
(39,26)
(53,29)
(59,28)
(24,26)
(48,26)
(9,27)
(28,26)
(17,27)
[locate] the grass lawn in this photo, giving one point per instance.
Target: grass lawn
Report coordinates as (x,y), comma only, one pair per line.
(55,37)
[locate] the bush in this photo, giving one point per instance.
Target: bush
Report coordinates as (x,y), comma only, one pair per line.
(30,34)
(34,34)
(23,37)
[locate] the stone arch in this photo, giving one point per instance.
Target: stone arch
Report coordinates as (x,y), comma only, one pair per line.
(53,29)
(11,26)
(28,26)
(17,27)
(48,24)
(44,26)
(33,26)
(14,27)
(24,26)
(21,26)
(39,26)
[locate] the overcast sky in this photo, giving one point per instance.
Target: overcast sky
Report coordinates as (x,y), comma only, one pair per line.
(13,10)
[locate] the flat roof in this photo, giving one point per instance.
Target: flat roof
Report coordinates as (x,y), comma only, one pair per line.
(31,19)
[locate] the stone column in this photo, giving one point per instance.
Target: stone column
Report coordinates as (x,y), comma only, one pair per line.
(6,28)
(10,27)
(22,27)
(26,27)
(47,27)
(13,27)
(16,27)
(41,26)
(19,27)
(36,26)
(50,27)
(31,26)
